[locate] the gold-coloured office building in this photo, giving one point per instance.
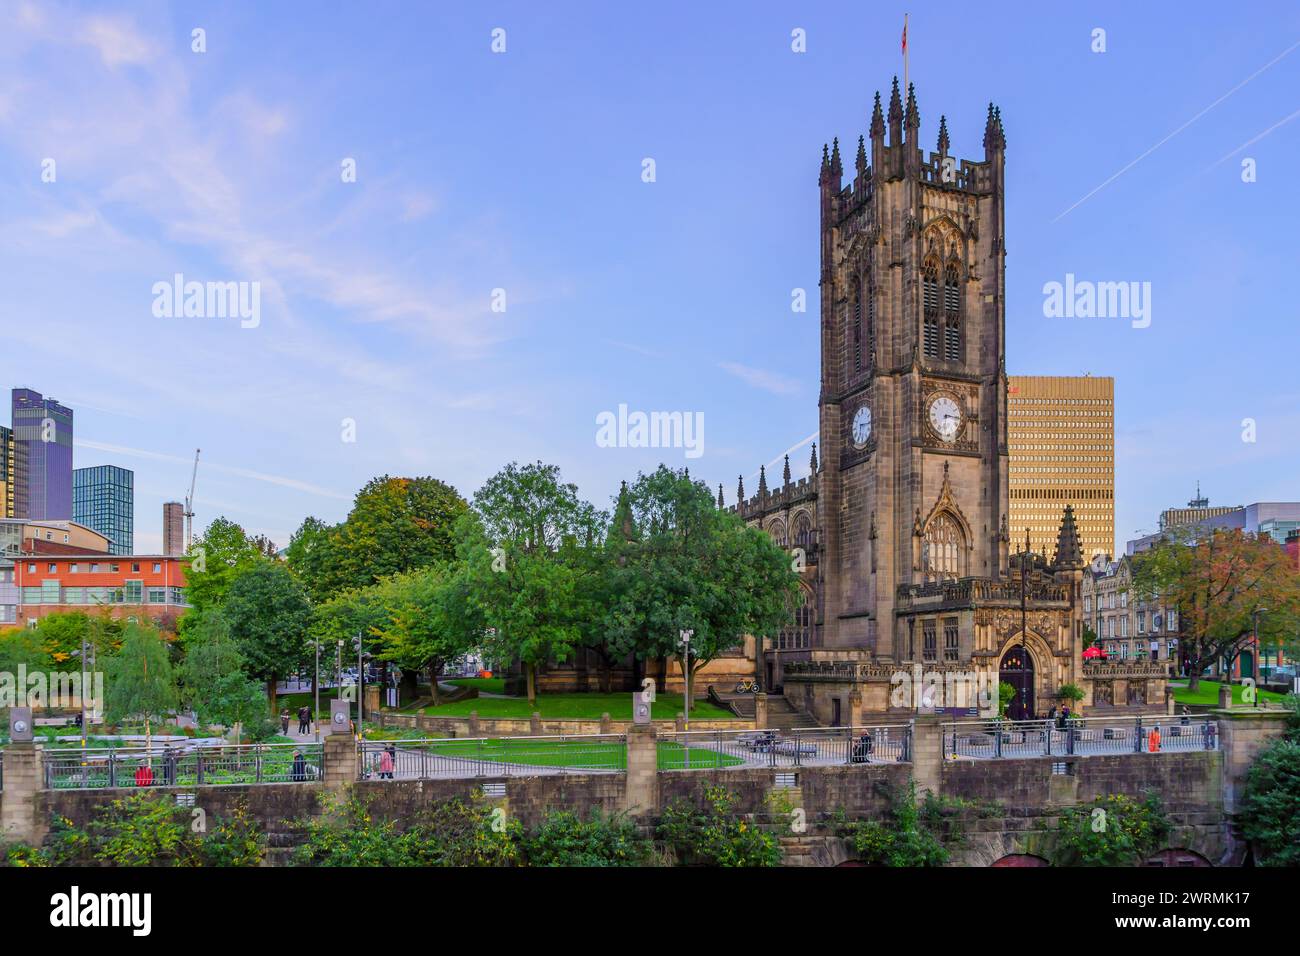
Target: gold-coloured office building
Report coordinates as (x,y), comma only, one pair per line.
(1061,433)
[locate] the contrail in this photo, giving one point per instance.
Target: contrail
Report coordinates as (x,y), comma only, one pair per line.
(1162,142)
(793,448)
(1252,142)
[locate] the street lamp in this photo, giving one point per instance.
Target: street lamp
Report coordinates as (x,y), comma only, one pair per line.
(338,672)
(686,672)
(1254,622)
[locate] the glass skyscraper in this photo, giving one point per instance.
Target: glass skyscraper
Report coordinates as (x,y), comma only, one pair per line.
(103,498)
(43,444)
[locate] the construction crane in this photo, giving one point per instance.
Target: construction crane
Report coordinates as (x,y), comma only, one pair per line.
(189,504)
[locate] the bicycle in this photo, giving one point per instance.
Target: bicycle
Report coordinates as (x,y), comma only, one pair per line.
(748,685)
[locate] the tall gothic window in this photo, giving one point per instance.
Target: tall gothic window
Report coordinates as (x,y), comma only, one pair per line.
(930,306)
(803,530)
(942,548)
(857,326)
(871,325)
(951,315)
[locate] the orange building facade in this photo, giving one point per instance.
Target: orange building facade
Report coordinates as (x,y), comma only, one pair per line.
(141,587)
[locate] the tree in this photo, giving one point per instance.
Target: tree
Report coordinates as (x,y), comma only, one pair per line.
(213,682)
(690,566)
(217,557)
(1216,582)
(428,620)
(61,634)
(521,550)
(396,524)
(268,615)
(139,679)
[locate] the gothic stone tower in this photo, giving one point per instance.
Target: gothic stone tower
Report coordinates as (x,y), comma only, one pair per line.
(913,488)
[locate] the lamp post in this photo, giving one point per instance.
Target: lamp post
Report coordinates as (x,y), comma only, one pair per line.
(315,685)
(338,672)
(686,673)
(1254,627)
(361,687)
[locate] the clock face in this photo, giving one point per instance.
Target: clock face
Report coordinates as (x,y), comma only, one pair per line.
(861,426)
(945,418)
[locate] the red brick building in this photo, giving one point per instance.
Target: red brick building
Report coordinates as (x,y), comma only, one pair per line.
(138,587)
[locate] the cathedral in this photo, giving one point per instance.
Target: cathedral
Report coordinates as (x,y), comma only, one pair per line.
(902,526)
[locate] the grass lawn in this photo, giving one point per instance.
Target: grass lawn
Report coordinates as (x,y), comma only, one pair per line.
(485,685)
(594,754)
(1208,694)
(578,707)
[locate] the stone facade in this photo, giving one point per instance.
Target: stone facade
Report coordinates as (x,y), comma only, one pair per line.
(903,527)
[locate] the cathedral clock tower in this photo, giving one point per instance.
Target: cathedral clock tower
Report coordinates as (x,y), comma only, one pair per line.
(913,482)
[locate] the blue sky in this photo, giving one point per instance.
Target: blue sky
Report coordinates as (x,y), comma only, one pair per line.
(522,171)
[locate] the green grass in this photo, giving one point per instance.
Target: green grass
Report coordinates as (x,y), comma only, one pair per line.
(485,685)
(592,754)
(578,707)
(1208,695)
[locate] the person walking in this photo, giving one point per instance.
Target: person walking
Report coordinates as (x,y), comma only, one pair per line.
(284,722)
(386,762)
(299,769)
(304,719)
(1153,740)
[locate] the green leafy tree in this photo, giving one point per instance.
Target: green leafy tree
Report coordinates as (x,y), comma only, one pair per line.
(1270,807)
(395,525)
(566,839)
(522,552)
(429,620)
(1115,830)
(139,682)
(690,566)
(213,680)
(1217,581)
(217,557)
(268,615)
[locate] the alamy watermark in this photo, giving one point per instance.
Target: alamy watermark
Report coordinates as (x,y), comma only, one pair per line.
(1083,299)
(41,689)
(651,430)
(208,300)
(921,688)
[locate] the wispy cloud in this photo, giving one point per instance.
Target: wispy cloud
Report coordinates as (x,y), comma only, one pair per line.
(282,481)
(760,378)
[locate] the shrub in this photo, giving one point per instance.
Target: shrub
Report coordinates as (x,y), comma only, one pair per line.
(1113,831)
(714,834)
(150,829)
(905,840)
(1270,806)
(565,839)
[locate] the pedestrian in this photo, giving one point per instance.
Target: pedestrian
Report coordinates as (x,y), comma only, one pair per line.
(1065,716)
(1187,715)
(1153,739)
(298,772)
(1207,734)
(1051,714)
(284,722)
(304,719)
(386,762)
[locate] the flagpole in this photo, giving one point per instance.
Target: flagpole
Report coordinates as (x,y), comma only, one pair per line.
(905,82)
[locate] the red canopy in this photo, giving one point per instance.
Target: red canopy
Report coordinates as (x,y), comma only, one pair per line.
(1094,652)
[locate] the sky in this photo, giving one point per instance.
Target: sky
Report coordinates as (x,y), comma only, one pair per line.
(500,272)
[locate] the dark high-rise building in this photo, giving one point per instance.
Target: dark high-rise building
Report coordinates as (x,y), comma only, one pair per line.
(173,528)
(9,470)
(43,442)
(103,498)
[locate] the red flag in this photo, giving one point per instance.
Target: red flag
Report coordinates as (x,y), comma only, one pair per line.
(905,34)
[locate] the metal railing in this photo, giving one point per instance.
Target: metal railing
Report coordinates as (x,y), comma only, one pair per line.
(492,757)
(802,747)
(1081,736)
(225,765)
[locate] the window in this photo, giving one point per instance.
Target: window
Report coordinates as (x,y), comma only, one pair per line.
(930,301)
(1087,605)
(941,548)
(1123,599)
(135,567)
(928,645)
(157,568)
(133,592)
(94,567)
(157,595)
(952,319)
(51,568)
(113,568)
(1173,621)
(950,639)
(857,328)
(1142,622)
(31,569)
